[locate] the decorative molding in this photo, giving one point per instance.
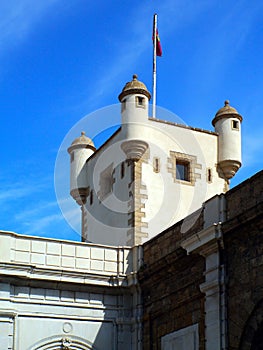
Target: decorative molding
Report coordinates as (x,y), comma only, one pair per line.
(80,195)
(210,287)
(204,242)
(66,343)
(134,149)
(62,275)
(228,168)
(193,167)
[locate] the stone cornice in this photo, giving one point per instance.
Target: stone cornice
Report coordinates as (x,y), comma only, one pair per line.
(204,242)
(61,276)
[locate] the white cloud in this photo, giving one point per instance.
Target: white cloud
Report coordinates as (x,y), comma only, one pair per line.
(38,209)
(223,41)
(18,190)
(18,19)
(173,14)
(40,225)
(23,207)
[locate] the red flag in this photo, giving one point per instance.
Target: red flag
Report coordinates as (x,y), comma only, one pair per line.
(159,50)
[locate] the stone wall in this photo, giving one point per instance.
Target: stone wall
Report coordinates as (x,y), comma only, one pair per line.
(245,196)
(170,281)
(243,249)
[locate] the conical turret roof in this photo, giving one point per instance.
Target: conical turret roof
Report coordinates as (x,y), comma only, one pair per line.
(134,87)
(226,112)
(82,141)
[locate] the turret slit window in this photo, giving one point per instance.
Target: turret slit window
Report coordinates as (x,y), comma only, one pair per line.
(156,164)
(91,197)
(122,170)
(182,170)
(209,175)
(72,157)
(140,101)
(235,124)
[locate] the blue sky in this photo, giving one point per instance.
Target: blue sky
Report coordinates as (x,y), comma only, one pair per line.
(61,60)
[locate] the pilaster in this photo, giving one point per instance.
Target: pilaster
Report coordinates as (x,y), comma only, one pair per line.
(208,243)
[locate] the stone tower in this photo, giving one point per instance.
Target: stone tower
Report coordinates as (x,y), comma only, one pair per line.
(150,173)
(227,123)
(80,151)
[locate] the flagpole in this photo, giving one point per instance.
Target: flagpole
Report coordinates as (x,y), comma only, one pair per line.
(154,65)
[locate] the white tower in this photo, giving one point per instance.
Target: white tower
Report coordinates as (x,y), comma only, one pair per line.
(80,150)
(134,100)
(227,123)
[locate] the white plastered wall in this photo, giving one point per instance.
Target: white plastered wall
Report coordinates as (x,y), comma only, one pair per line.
(167,199)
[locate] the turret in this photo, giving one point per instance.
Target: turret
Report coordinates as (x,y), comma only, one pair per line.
(227,123)
(80,150)
(134,100)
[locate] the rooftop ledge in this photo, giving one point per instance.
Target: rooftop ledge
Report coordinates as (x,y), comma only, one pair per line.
(182,126)
(68,261)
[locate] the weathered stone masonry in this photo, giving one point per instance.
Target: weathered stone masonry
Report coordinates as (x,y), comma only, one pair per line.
(219,284)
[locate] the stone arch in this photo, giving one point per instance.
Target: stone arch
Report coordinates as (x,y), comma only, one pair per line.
(63,343)
(252,336)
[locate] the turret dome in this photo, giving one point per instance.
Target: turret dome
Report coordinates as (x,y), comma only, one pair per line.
(134,87)
(226,112)
(82,142)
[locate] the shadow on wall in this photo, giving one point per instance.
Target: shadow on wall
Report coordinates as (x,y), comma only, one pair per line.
(252,337)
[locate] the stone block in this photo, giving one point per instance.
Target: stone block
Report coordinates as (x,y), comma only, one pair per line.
(67,261)
(110,266)
(97,265)
(38,247)
(68,250)
(53,248)
(21,292)
(38,259)
(52,294)
(37,293)
(4,290)
(97,253)
(67,295)
(23,244)
(82,252)
(111,255)
(83,264)
(53,260)
(21,256)
(96,299)
(82,297)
